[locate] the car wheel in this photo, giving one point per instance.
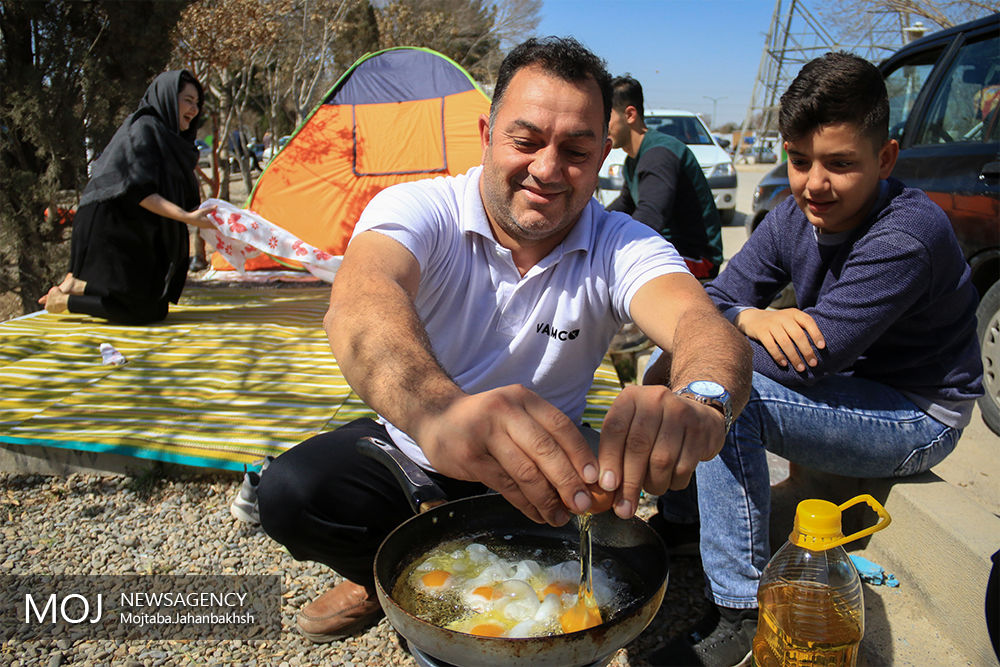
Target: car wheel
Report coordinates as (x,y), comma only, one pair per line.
(726,216)
(988,330)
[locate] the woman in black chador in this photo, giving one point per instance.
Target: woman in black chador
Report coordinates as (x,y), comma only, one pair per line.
(129,253)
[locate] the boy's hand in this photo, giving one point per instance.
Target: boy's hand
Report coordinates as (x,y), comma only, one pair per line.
(788,335)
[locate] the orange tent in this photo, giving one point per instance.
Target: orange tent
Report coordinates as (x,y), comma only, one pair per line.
(401,114)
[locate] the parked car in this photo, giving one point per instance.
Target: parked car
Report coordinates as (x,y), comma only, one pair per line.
(759,155)
(273,150)
(204,153)
(715,162)
(944,94)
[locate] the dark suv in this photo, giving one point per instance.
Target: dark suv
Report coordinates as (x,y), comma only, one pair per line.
(944,100)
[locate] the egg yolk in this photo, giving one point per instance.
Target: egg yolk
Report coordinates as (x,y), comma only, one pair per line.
(487,593)
(580,617)
(435,578)
(556,588)
(487,630)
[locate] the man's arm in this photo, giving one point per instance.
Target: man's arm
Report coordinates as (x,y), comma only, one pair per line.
(509,438)
(651,438)
(656,171)
(623,202)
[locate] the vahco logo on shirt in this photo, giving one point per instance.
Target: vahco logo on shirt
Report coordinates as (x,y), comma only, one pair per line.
(559,334)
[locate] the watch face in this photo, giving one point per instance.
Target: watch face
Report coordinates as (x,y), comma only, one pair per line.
(707,388)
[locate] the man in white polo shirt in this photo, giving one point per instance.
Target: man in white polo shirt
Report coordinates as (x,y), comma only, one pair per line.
(471,313)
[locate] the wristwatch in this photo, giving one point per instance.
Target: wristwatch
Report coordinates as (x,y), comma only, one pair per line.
(712,394)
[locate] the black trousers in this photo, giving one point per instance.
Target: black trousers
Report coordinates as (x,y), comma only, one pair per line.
(327,503)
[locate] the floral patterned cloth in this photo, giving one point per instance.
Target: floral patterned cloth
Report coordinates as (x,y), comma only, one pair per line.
(240,234)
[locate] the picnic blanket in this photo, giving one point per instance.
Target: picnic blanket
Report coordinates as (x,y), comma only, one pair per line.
(233,374)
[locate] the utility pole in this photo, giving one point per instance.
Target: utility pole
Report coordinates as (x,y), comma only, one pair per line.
(715,100)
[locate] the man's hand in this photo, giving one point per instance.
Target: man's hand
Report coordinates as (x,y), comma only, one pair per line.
(517,444)
(788,335)
(653,439)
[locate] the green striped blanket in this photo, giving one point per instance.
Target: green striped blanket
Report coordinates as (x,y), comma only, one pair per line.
(234,373)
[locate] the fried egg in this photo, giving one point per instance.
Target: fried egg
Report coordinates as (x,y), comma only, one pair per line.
(493,596)
(434,582)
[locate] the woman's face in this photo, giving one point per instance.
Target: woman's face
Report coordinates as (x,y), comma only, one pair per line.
(187,105)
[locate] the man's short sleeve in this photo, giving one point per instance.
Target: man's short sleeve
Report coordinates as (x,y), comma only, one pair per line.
(639,255)
(412,214)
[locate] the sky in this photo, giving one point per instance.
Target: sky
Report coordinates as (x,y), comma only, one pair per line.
(681,51)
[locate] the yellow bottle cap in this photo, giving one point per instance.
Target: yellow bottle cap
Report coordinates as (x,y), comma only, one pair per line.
(817,523)
(818,527)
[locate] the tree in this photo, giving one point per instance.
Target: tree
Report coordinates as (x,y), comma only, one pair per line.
(513,22)
(71,72)
(467,31)
(320,40)
(940,13)
(225,42)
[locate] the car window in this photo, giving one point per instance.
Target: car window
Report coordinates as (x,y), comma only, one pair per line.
(903,84)
(685,128)
(965,106)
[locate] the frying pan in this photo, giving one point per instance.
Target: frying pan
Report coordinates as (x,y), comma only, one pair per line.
(631,543)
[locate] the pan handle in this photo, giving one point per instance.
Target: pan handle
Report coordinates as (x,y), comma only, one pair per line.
(420,489)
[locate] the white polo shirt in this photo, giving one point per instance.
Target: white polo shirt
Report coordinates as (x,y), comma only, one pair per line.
(490,327)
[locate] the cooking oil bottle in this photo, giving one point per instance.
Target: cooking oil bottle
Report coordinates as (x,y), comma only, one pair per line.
(811,607)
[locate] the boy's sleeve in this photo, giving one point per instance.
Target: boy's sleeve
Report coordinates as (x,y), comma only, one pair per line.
(755,275)
(885,274)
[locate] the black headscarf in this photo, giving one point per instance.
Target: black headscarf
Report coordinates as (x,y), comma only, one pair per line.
(148,152)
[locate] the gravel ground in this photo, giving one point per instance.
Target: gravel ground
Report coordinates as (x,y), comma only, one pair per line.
(169,523)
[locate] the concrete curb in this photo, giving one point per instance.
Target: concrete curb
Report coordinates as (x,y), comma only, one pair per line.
(939,547)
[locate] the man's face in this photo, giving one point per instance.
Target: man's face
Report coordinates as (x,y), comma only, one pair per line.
(618,129)
(540,164)
(834,174)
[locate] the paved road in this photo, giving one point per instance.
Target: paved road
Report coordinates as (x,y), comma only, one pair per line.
(733,235)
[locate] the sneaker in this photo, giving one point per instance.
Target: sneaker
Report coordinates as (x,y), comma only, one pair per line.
(244,507)
(682,540)
(726,642)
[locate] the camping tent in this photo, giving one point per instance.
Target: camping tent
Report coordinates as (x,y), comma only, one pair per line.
(401,114)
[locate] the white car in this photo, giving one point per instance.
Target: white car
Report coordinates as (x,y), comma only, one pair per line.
(715,162)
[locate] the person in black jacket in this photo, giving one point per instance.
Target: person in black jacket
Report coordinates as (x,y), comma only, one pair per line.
(129,250)
(665,187)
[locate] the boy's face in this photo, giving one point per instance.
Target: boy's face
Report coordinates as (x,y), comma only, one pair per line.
(834,175)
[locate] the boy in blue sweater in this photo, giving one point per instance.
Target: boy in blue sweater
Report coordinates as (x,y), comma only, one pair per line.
(876,371)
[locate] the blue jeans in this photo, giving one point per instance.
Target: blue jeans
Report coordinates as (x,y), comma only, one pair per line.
(842,425)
